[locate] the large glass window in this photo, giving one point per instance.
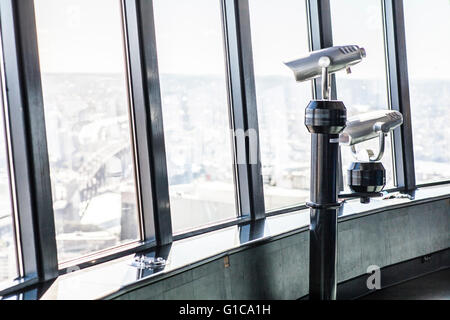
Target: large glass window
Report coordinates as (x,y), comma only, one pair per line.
(81,49)
(8,256)
(195,111)
(279,34)
(357,22)
(427,35)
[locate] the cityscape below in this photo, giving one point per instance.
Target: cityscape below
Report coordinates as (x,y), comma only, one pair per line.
(92,164)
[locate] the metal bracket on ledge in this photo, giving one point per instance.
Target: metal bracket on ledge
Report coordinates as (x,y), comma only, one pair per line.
(363,197)
(370,153)
(398,195)
(144,262)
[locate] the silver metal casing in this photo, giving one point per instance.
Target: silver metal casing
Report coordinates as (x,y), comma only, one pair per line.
(341,57)
(369,125)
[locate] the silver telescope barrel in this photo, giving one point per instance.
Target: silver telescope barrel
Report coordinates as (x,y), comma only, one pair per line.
(369,125)
(341,57)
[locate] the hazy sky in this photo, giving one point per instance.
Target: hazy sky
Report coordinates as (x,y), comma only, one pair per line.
(361,23)
(189,36)
(85,35)
(279,34)
(428,38)
(80,35)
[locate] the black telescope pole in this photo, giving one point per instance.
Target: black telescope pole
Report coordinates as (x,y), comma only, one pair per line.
(325,120)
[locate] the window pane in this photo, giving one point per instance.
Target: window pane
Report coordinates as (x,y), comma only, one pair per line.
(279,34)
(427,29)
(8,257)
(88,127)
(361,23)
(196,121)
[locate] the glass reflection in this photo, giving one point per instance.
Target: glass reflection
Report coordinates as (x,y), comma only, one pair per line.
(195,110)
(88,126)
(361,23)
(8,257)
(427,27)
(285,142)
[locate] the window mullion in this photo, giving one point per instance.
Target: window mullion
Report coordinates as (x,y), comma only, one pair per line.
(28,139)
(243,108)
(320,37)
(147,111)
(394,25)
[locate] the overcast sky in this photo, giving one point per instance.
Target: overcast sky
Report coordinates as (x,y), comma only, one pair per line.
(85,35)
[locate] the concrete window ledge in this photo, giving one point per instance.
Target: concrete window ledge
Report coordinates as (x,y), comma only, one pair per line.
(268,259)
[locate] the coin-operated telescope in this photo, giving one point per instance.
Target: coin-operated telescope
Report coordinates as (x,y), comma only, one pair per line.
(367,178)
(325,119)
